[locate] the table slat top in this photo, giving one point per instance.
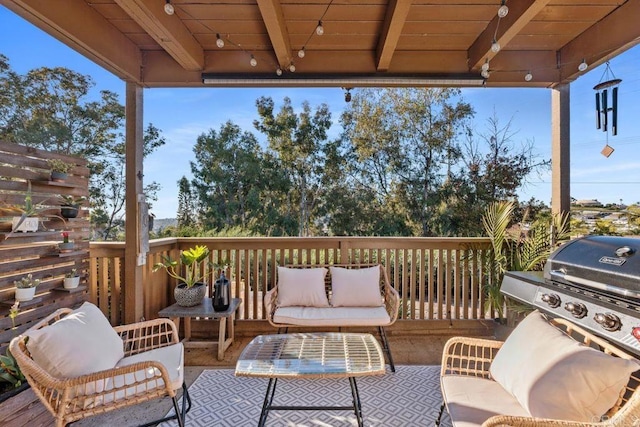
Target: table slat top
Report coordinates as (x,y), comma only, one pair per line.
(205,309)
(323,355)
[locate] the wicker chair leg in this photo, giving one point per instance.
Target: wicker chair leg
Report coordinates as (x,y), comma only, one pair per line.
(385,347)
(440,414)
(180,414)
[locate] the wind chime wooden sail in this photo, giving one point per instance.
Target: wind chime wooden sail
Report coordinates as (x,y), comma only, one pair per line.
(607,81)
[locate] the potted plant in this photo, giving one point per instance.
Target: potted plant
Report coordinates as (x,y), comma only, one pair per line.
(26,287)
(59,169)
(12,381)
(71,279)
(190,290)
(71,206)
(25,217)
(66,245)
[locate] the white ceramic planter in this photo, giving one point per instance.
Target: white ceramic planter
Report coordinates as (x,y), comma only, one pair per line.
(29,224)
(71,282)
(25,294)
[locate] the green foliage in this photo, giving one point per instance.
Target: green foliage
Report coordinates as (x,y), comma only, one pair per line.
(186,216)
(26,282)
(191,260)
(71,274)
(10,372)
(57,165)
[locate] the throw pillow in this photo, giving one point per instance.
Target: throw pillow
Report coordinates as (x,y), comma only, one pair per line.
(302,287)
(554,376)
(83,342)
(355,287)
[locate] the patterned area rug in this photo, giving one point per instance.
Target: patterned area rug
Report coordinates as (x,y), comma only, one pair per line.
(409,397)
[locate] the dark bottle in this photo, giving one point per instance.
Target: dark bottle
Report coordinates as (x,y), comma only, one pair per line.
(221,293)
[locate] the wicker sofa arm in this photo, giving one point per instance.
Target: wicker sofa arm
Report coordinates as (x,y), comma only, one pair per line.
(147,335)
(511,421)
(270,304)
(469,356)
(391,296)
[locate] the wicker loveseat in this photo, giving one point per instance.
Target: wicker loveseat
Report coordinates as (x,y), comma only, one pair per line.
(473,396)
(379,310)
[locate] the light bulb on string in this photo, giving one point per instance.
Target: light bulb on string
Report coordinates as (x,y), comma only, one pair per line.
(301,53)
(503,10)
(219,41)
(292,68)
(583,65)
(168,8)
(485,66)
(253,61)
(485,74)
(278,71)
(495,46)
(319,29)
(528,77)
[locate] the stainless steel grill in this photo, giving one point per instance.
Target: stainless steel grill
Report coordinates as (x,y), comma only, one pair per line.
(592,281)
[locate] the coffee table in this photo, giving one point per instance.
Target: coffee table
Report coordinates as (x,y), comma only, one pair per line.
(205,309)
(312,355)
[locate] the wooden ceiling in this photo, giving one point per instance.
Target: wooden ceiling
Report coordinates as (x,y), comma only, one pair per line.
(365,42)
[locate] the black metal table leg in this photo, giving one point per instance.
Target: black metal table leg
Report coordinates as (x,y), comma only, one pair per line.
(268,399)
(357,406)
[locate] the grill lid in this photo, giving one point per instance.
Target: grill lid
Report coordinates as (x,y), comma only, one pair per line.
(607,263)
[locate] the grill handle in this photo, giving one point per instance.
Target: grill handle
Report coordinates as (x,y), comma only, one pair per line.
(593,284)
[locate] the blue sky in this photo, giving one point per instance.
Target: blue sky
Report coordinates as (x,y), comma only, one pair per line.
(183,114)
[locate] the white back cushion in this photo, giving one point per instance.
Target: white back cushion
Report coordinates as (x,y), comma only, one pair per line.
(554,376)
(302,287)
(355,287)
(81,343)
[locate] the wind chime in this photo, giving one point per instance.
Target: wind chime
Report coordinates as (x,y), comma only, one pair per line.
(607,81)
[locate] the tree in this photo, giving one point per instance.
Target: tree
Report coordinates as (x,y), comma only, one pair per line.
(186,214)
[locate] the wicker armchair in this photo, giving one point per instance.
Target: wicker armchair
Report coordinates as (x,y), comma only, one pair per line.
(473,356)
(72,399)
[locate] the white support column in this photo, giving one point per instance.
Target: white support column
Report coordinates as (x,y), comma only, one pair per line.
(132,286)
(560,152)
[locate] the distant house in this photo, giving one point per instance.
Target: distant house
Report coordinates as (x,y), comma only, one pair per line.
(593,203)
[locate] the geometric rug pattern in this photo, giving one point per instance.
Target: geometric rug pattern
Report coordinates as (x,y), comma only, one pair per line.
(409,397)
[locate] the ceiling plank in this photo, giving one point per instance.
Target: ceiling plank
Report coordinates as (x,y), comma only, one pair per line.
(167,30)
(607,38)
(83,29)
(520,14)
(397,13)
(273,18)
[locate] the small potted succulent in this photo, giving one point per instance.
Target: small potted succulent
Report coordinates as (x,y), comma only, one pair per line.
(66,245)
(59,169)
(71,206)
(71,279)
(26,287)
(190,290)
(26,215)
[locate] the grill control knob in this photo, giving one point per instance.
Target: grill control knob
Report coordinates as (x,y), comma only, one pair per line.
(609,321)
(552,300)
(577,309)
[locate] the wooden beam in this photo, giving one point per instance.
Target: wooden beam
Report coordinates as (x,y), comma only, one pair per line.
(607,38)
(273,18)
(133,289)
(167,30)
(560,151)
(397,12)
(520,13)
(80,27)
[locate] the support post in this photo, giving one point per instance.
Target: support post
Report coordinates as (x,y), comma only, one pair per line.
(132,286)
(560,152)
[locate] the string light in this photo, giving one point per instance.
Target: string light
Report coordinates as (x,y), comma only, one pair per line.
(301,53)
(583,65)
(528,77)
(503,10)
(292,68)
(278,71)
(219,41)
(485,66)
(485,74)
(495,46)
(168,8)
(253,61)
(319,29)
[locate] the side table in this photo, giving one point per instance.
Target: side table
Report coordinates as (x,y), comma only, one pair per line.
(205,309)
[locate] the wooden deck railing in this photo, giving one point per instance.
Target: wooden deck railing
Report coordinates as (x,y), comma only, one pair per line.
(437,278)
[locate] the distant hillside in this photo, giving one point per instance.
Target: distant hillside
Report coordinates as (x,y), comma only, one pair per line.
(160,223)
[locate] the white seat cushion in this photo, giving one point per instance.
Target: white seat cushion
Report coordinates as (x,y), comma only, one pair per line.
(83,342)
(302,287)
(554,376)
(355,287)
(471,400)
(332,316)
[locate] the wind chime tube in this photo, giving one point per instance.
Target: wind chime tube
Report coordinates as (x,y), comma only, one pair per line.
(614,111)
(604,111)
(598,125)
